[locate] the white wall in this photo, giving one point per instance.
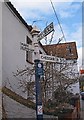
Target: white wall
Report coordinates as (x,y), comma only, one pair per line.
(74,88)
(0,59)
(13,58)
(0,44)
(13,32)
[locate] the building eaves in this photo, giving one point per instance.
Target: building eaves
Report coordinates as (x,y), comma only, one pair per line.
(29,27)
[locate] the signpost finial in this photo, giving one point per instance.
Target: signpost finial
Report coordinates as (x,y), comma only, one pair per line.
(35,31)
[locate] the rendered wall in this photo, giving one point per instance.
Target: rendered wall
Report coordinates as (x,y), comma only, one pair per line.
(13,32)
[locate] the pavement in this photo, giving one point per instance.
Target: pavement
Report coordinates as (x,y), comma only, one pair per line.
(0,104)
(14,109)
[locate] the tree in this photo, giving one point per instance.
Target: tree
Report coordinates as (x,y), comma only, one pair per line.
(56,77)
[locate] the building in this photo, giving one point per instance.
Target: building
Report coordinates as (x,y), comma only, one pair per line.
(18,54)
(16,39)
(68,51)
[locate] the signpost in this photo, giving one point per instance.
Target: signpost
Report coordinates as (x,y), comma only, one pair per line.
(39,69)
(39,65)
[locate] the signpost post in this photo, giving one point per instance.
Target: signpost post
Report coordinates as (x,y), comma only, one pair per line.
(38,73)
(39,65)
(39,68)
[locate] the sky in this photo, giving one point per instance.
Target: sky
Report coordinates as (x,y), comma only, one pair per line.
(40,13)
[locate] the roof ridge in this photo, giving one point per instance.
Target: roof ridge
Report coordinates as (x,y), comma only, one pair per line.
(60,43)
(29,27)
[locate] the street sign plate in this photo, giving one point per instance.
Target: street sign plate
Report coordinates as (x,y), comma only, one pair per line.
(49,58)
(46,31)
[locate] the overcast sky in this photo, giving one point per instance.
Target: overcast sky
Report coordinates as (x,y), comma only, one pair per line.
(40,13)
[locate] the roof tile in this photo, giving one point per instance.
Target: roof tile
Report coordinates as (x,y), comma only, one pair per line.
(65,50)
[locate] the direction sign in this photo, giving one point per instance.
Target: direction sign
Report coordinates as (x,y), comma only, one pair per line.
(46,31)
(25,47)
(49,58)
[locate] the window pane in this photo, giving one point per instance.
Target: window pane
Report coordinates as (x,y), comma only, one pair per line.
(28,40)
(29,56)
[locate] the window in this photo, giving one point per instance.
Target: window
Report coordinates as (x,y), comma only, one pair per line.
(29,52)
(75,61)
(28,40)
(40,52)
(69,50)
(29,56)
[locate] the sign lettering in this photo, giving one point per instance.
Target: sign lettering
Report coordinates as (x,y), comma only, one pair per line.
(51,58)
(25,47)
(46,31)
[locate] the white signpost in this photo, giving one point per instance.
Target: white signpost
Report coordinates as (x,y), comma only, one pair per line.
(39,66)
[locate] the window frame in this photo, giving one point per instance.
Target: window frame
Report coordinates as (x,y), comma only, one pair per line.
(29,55)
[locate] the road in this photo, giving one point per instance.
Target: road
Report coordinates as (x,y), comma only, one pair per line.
(82,109)
(0,105)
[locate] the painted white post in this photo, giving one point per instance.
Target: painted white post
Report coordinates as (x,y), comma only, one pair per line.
(38,72)
(34,33)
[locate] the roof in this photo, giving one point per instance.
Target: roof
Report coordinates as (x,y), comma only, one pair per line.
(42,47)
(65,50)
(29,27)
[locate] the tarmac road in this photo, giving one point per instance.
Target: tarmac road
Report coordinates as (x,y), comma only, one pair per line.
(82,109)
